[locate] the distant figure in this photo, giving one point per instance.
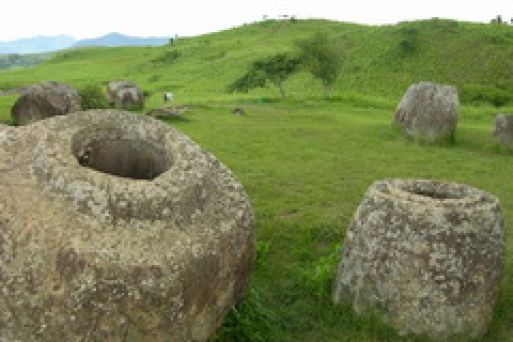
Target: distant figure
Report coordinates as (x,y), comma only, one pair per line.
(168,97)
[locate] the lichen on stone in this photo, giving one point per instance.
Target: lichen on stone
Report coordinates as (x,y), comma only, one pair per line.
(427,254)
(87,253)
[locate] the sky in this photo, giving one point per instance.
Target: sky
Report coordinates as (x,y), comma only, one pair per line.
(91,18)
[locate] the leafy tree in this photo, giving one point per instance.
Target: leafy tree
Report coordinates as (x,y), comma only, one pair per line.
(275,69)
(323,58)
(252,79)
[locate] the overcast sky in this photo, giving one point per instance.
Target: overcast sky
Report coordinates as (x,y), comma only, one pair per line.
(90,18)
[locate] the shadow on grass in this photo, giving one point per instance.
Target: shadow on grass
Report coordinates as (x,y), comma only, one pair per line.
(175,119)
(8,122)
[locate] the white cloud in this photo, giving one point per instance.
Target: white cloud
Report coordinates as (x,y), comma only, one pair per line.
(188,17)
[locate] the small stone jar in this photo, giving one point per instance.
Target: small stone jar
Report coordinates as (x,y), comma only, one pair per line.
(428,255)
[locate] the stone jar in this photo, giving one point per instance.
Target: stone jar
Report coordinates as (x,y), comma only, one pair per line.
(428,255)
(44,100)
(116,227)
(503,130)
(428,112)
(125,95)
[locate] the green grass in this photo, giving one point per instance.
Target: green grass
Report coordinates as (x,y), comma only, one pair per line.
(306,161)
(306,167)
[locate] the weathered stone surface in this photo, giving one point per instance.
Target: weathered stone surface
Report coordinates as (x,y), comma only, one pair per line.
(429,112)
(44,100)
(427,254)
(503,129)
(116,227)
(125,95)
(169,112)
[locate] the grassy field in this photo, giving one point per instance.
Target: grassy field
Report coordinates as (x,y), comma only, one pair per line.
(306,166)
(306,161)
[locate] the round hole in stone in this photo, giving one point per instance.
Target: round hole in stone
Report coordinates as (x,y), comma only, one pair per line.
(131,158)
(431,191)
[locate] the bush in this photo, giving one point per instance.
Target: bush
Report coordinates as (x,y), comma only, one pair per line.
(409,42)
(475,94)
(168,57)
(147,93)
(93,97)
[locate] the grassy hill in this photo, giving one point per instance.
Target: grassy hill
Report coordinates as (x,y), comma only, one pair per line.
(306,161)
(380,61)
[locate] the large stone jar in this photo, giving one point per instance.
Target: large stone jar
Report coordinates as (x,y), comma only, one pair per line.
(44,100)
(428,112)
(428,255)
(116,227)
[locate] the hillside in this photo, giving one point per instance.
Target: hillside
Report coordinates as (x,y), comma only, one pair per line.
(380,61)
(306,161)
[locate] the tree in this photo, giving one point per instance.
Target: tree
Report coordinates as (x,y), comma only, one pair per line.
(275,69)
(323,58)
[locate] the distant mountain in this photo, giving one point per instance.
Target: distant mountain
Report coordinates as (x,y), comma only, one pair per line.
(41,44)
(118,39)
(36,44)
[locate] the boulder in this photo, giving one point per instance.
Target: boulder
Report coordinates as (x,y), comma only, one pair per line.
(15,91)
(503,129)
(428,112)
(125,95)
(428,255)
(116,227)
(44,100)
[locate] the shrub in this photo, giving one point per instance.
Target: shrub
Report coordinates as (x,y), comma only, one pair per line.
(475,94)
(147,93)
(93,97)
(168,57)
(409,42)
